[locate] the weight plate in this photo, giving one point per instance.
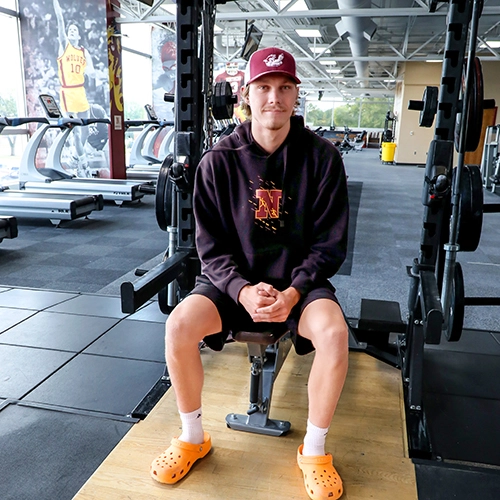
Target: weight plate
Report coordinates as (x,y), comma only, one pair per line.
(163,301)
(474,121)
(222,107)
(164,194)
(457,306)
(471,208)
(430,102)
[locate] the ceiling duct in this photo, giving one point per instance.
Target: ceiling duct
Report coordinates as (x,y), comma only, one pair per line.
(359,31)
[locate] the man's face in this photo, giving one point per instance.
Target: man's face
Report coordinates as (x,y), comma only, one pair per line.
(73,33)
(272,99)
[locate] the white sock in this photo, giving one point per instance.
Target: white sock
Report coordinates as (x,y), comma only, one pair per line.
(314,441)
(192,429)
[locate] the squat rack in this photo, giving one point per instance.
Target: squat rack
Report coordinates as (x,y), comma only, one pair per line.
(435,301)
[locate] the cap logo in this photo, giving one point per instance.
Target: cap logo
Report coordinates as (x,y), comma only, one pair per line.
(273,61)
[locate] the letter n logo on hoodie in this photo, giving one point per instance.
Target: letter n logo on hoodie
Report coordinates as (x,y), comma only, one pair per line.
(269,203)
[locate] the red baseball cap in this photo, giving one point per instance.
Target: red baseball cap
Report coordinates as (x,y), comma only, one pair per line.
(271,60)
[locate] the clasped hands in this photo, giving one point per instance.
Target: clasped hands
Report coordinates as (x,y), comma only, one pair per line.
(266,304)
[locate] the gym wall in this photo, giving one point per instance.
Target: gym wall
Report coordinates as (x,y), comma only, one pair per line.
(491,76)
(411,139)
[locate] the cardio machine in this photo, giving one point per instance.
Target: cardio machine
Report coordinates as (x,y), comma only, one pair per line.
(142,152)
(55,176)
(143,162)
(490,161)
(54,206)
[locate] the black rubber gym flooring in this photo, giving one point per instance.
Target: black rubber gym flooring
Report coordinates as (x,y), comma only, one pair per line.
(355,189)
(462,401)
(73,367)
(83,255)
(48,453)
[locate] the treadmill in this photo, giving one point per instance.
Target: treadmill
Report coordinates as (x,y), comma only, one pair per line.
(142,152)
(55,176)
(143,164)
(52,206)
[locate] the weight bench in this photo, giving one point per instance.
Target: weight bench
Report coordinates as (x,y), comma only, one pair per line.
(267,351)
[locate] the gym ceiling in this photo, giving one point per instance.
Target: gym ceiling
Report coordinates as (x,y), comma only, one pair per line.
(359,48)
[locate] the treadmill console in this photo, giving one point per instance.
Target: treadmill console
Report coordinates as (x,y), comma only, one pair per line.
(50,106)
(151,112)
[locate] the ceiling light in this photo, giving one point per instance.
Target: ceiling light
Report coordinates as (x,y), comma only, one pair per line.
(318,49)
(492,44)
(433,60)
(327,63)
(300,5)
(333,70)
(309,33)
(391,80)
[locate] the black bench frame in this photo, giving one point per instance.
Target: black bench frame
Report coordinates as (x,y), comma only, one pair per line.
(267,352)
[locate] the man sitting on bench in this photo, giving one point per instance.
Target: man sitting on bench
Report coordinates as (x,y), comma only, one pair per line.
(271,209)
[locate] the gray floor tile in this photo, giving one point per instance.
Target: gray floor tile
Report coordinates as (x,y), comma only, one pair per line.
(61,331)
(10,317)
(134,340)
(23,368)
(92,305)
(32,299)
(98,383)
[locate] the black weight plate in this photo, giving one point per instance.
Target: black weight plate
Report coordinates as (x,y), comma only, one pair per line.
(471,208)
(457,306)
(164,193)
(475,115)
(163,301)
(222,107)
(430,101)
(474,121)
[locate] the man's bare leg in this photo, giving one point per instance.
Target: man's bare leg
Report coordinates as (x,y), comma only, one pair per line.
(323,323)
(193,319)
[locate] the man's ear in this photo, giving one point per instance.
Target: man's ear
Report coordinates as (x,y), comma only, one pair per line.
(241,94)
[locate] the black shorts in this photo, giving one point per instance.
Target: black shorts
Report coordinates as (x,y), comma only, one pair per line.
(235,318)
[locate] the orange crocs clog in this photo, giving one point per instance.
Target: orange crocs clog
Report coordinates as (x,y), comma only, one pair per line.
(177,460)
(320,477)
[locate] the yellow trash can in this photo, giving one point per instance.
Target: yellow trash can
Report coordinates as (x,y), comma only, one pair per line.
(388,151)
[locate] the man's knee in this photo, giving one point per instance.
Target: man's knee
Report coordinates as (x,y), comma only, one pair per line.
(192,320)
(333,338)
(180,329)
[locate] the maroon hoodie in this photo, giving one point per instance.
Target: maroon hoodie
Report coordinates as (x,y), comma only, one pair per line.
(280,218)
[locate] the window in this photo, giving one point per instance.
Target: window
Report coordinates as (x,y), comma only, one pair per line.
(12,141)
